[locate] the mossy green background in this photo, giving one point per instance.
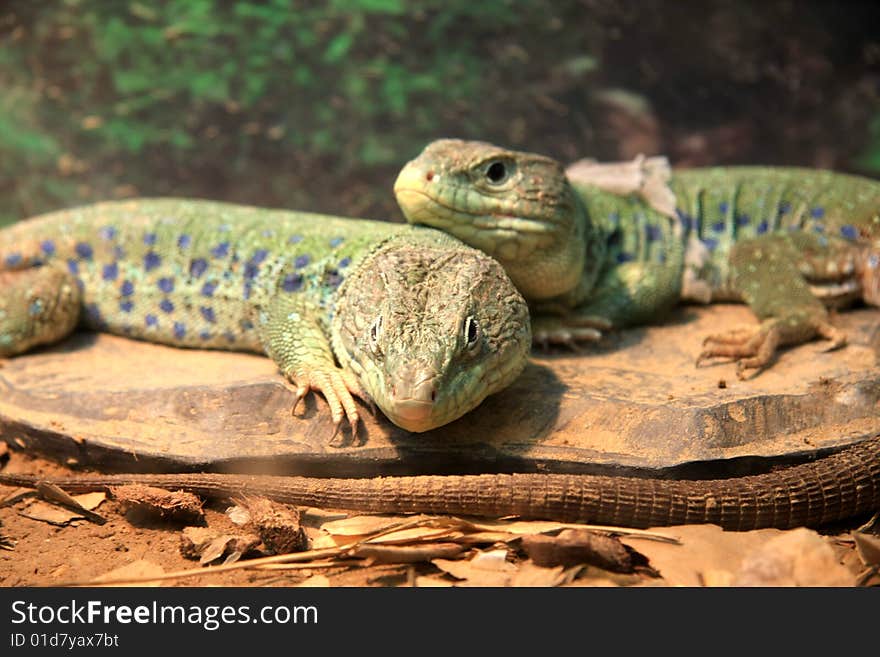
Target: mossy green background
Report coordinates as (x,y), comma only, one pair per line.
(315,105)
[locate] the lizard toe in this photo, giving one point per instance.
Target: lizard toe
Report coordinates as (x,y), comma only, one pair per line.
(836,338)
(561,331)
(752,348)
(337,387)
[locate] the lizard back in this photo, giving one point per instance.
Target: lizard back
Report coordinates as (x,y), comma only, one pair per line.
(188,273)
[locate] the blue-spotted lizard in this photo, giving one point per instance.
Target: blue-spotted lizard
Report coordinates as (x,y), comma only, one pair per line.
(787,241)
(409,318)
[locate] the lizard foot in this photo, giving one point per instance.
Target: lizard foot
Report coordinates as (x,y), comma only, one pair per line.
(568,330)
(754,347)
(339,388)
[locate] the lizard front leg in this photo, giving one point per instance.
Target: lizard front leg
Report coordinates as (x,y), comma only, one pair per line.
(37,306)
(628,294)
(765,272)
(293,335)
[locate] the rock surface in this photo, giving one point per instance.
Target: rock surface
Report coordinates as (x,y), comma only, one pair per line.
(634,402)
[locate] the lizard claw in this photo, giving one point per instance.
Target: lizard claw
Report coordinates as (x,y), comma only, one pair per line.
(753,348)
(339,388)
(568,331)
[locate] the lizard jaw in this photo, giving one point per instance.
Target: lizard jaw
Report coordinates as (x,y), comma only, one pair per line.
(411,414)
(411,402)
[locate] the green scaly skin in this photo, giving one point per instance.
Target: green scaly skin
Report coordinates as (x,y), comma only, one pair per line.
(787,241)
(407,317)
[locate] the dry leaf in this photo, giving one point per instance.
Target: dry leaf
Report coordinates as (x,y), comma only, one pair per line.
(54,515)
(723,578)
(532,575)
(413,535)
(315,517)
(136,570)
(239,515)
(702,548)
(581,546)
(407,553)
(471,576)
(492,560)
(361,525)
(424,582)
(318,538)
(55,495)
(207,545)
(315,581)
(17,495)
(90,500)
(548,526)
(868,547)
(480,537)
(799,557)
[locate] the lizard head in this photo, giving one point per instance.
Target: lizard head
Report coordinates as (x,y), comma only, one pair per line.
(517,207)
(430,330)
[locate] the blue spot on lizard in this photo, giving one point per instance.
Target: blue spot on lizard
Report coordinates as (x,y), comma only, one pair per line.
(151,261)
(221,250)
(292,283)
(83,250)
(198,267)
(110,272)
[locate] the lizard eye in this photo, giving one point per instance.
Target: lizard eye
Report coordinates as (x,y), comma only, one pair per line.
(497,172)
(375,333)
(471,331)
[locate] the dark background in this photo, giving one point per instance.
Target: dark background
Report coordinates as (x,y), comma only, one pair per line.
(316,105)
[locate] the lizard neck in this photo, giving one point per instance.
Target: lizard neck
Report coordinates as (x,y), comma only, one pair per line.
(627,240)
(567,259)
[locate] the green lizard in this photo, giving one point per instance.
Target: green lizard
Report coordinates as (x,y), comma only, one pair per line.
(787,241)
(407,317)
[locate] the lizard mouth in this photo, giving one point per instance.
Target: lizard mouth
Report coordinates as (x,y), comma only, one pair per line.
(412,402)
(412,414)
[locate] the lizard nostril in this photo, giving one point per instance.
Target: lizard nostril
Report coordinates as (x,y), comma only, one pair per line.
(429,176)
